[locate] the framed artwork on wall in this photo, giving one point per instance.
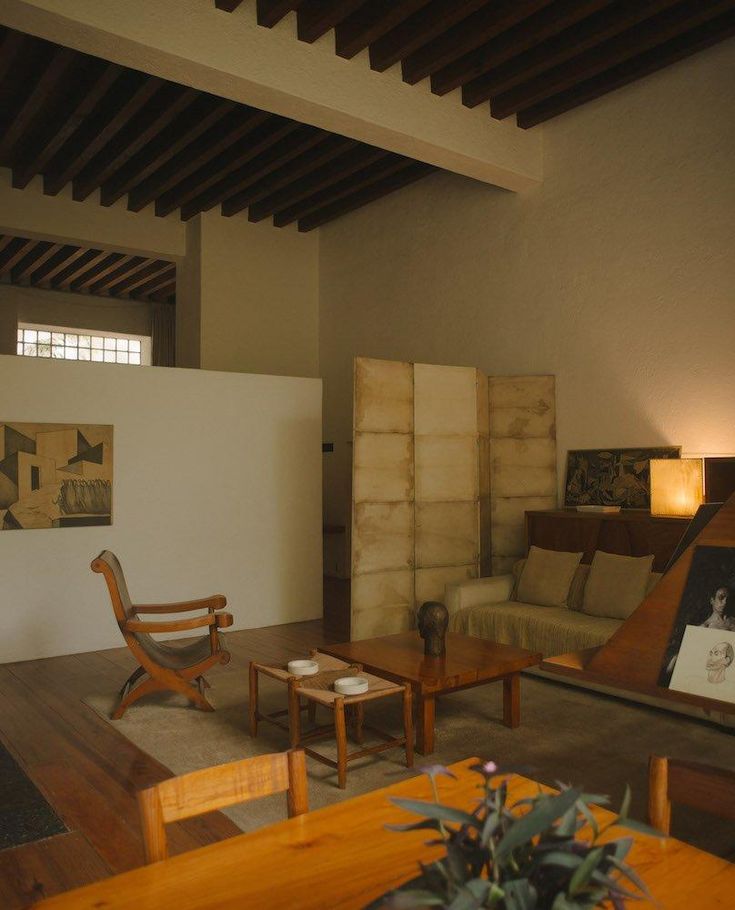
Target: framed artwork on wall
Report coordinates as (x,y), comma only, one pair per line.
(612,477)
(55,475)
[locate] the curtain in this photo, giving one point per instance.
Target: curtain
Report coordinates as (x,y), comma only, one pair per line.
(163,335)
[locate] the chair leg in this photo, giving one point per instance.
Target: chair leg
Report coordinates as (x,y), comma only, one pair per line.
(253,699)
(340,730)
(128,684)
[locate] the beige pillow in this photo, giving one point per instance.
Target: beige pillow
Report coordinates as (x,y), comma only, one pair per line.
(616,584)
(546,577)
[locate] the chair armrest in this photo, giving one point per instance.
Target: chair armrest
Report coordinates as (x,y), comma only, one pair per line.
(215,602)
(476,591)
(172,625)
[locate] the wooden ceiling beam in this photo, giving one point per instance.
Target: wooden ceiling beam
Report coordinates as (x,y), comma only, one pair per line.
(587,34)
(166,104)
(150,269)
(464,37)
(547,22)
(317,17)
(370,22)
(418,30)
(14,252)
(164,279)
(200,153)
(388,165)
(81,266)
(415,170)
(36,102)
(200,118)
(273,130)
(326,151)
(165,294)
(227,5)
(129,266)
(270,12)
(683,46)
(34,259)
(94,82)
(128,96)
(643,37)
(64,258)
(347,164)
(273,157)
(97,272)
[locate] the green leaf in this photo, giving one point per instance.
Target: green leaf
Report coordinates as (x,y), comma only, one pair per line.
(589,816)
(568,824)
(559,858)
(562,902)
(584,873)
(519,894)
(415,898)
(536,821)
(626,802)
(436,810)
(488,829)
(633,825)
(471,896)
(416,826)
(632,876)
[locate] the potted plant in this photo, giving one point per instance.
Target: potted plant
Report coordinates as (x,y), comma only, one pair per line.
(521,856)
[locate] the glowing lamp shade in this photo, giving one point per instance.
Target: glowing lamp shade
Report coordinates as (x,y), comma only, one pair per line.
(677,486)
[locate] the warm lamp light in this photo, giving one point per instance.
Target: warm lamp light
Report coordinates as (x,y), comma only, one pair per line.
(677,486)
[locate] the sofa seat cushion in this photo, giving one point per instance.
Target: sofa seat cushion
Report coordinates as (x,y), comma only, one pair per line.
(550,630)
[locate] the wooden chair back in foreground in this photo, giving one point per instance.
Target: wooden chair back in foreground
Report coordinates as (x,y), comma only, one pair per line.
(214,788)
(689,783)
(180,669)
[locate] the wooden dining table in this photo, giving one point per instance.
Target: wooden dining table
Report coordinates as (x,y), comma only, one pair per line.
(342,857)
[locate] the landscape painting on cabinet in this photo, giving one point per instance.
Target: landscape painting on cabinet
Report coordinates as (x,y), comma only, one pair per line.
(55,475)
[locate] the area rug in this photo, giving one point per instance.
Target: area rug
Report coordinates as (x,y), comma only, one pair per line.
(566,734)
(25,815)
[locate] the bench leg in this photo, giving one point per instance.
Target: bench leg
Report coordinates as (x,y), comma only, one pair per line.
(253,699)
(294,716)
(512,700)
(340,729)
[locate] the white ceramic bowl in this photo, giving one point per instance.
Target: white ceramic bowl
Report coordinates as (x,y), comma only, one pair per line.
(303,667)
(351,685)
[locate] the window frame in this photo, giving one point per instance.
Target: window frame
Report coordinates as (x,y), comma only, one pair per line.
(144,340)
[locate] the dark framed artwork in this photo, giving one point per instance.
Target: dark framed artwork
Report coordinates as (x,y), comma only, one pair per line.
(708,601)
(612,477)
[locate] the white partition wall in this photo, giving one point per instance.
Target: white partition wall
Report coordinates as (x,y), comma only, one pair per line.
(217,489)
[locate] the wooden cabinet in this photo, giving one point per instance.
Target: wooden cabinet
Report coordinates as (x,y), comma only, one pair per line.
(629,533)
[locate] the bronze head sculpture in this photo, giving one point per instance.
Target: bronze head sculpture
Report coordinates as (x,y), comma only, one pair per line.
(433,619)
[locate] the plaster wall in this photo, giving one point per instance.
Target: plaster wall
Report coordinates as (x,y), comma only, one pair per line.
(616,275)
(216,489)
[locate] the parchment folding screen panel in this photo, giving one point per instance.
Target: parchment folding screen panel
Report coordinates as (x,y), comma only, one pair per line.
(522,411)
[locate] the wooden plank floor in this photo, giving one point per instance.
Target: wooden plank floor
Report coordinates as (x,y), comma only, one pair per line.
(90,773)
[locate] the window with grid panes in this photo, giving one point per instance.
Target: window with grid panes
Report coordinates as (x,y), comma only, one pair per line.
(57,343)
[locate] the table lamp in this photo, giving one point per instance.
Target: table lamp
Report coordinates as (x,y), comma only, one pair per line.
(677,486)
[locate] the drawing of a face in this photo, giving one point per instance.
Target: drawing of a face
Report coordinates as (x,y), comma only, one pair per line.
(718,601)
(719,659)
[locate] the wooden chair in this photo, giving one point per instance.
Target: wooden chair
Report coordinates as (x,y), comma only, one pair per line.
(691,783)
(179,669)
(213,788)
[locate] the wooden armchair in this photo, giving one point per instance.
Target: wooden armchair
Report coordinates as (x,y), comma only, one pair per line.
(179,669)
(214,788)
(690,783)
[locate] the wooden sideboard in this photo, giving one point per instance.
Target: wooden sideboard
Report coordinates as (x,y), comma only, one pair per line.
(631,532)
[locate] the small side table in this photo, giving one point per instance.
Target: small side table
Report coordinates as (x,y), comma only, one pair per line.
(317,690)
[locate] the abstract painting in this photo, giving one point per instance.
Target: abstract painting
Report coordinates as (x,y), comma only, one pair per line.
(612,477)
(55,475)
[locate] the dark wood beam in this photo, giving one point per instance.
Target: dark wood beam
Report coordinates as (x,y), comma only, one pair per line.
(464,37)
(683,46)
(5,240)
(227,5)
(294,144)
(36,101)
(200,118)
(370,22)
(418,30)
(388,165)
(326,151)
(414,171)
(11,48)
(126,98)
(587,34)
(151,268)
(97,272)
(168,102)
(94,82)
(271,132)
(544,24)
(316,17)
(165,294)
(64,258)
(34,259)
(651,33)
(14,252)
(166,278)
(228,131)
(128,266)
(90,259)
(347,164)
(272,11)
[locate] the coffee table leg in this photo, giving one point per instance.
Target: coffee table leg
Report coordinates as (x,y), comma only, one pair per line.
(253,699)
(425,727)
(512,700)
(294,715)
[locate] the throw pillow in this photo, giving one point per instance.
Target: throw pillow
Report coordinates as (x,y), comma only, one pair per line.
(616,584)
(546,577)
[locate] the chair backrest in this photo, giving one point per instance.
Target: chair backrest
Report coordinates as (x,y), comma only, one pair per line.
(691,784)
(223,785)
(109,565)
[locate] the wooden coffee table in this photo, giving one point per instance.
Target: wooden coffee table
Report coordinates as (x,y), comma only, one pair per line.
(468,662)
